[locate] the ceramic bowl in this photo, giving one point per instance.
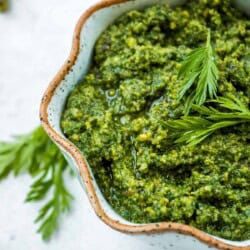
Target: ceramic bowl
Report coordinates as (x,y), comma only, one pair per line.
(89,27)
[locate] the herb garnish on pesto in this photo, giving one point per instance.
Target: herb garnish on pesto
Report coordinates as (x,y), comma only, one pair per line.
(199,68)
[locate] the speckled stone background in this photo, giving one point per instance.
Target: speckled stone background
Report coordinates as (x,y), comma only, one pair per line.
(35,39)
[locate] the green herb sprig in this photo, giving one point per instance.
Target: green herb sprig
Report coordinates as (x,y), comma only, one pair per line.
(3,5)
(36,154)
(200,75)
(194,129)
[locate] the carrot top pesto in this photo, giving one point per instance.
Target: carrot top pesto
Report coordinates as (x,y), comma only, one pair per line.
(115,118)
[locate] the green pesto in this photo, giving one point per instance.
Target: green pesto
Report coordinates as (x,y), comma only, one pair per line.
(114,116)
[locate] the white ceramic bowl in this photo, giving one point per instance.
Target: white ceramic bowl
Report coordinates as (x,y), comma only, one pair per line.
(89,27)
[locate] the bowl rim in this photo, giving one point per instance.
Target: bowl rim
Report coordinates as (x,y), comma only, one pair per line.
(75,153)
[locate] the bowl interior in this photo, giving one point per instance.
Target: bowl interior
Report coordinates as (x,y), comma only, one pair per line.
(91,30)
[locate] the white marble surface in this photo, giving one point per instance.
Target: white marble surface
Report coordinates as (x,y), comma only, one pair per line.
(35,39)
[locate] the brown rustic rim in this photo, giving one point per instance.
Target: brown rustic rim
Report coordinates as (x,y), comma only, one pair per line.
(84,171)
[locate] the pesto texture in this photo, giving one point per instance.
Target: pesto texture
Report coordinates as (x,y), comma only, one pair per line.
(114,116)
